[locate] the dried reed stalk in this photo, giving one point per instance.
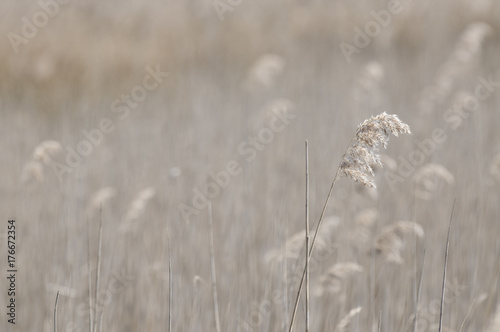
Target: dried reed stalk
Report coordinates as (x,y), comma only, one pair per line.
(55,312)
(213,270)
(444,269)
(356,163)
(307,237)
(98,273)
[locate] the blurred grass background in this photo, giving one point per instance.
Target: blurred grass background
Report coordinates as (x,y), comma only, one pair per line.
(65,79)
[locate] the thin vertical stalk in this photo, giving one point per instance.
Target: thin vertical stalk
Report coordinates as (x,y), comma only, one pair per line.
(299,291)
(89,278)
(55,312)
(98,273)
(170,284)
(444,272)
(214,275)
(307,237)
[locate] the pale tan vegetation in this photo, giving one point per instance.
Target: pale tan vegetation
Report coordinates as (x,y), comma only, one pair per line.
(391,240)
(227,81)
(362,153)
(427,180)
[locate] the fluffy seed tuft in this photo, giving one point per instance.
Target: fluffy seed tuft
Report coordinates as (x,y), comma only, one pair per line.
(391,241)
(362,154)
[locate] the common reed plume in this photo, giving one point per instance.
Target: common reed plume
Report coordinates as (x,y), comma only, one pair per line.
(43,154)
(427,179)
(137,208)
(357,162)
(362,152)
(46,150)
(294,245)
(333,280)
(344,323)
(99,198)
(361,234)
(366,218)
(264,71)
(391,241)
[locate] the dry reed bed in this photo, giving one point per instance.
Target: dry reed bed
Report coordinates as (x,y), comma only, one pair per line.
(194,124)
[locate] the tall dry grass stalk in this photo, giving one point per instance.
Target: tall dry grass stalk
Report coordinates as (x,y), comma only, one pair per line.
(443,288)
(213,270)
(307,236)
(55,312)
(357,162)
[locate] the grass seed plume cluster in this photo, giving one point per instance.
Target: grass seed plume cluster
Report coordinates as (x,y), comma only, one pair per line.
(363,152)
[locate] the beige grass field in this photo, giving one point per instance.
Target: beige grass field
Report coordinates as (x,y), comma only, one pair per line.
(151,109)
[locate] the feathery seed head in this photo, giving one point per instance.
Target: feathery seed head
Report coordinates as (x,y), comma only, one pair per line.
(336,276)
(46,150)
(391,241)
(99,198)
(362,154)
(426,180)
